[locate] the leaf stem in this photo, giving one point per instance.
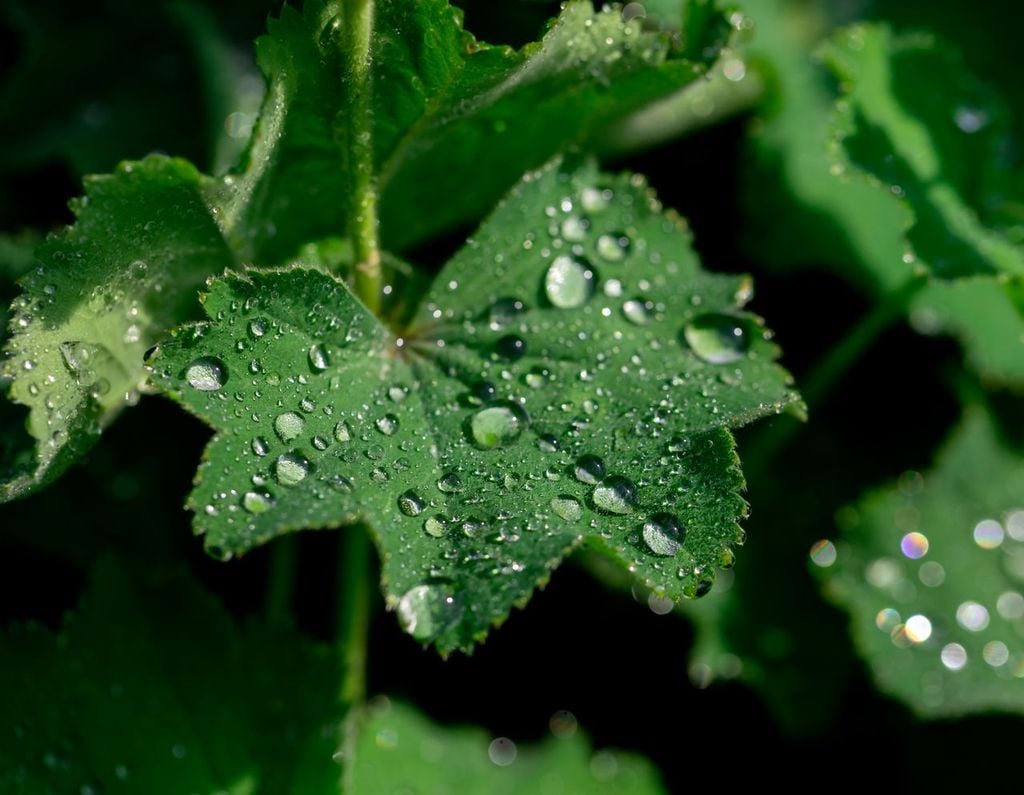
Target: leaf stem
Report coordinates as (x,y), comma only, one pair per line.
(830,370)
(284,561)
(356,52)
(353,616)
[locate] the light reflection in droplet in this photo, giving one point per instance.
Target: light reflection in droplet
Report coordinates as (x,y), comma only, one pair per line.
(823,553)
(883,572)
(953,656)
(972,616)
(914,545)
(1015,524)
(995,653)
(502,751)
(932,574)
(988,534)
(887,619)
(918,628)
(1010,605)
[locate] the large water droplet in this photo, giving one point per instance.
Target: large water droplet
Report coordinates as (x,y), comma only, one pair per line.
(254,502)
(206,374)
(318,358)
(289,425)
(426,611)
(589,469)
(387,424)
(410,503)
(290,469)
(568,283)
(497,426)
(616,494)
(567,508)
(717,338)
(663,534)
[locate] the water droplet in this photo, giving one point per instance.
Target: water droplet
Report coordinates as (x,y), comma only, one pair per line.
(289,425)
(342,432)
(717,338)
(636,312)
(259,446)
(510,348)
(616,494)
(290,469)
(257,328)
(613,248)
(568,283)
(450,483)
(497,426)
(387,424)
(548,443)
(318,358)
(206,374)
(426,611)
(254,502)
(504,312)
(410,503)
(435,526)
(589,469)
(502,751)
(663,534)
(567,508)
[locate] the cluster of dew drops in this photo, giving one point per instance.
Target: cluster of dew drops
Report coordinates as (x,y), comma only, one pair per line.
(569,282)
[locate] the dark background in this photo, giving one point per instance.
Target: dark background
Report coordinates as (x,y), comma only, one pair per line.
(621,669)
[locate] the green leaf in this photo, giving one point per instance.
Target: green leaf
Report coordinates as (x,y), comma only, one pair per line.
(399,750)
(577,323)
(931,572)
(850,224)
(912,118)
(151,687)
(452,117)
(102,293)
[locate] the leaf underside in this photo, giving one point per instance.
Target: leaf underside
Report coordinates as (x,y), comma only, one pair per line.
(577,323)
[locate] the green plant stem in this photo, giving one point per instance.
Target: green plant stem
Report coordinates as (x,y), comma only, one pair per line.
(357,41)
(830,370)
(284,559)
(353,607)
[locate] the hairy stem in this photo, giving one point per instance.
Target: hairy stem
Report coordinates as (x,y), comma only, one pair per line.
(284,560)
(358,32)
(830,370)
(353,590)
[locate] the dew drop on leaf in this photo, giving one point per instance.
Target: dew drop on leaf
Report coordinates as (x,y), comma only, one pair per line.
(613,248)
(663,534)
(435,526)
(636,312)
(510,347)
(254,502)
(589,469)
(497,426)
(410,503)
(616,494)
(428,610)
(290,469)
(568,283)
(289,425)
(450,483)
(318,358)
(259,446)
(717,338)
(206,374)
(387,424)
(504,312)
(342,432)
(567,508)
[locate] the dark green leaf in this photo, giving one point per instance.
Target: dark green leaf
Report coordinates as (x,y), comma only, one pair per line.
(150,687)
(931,573)
(576,324)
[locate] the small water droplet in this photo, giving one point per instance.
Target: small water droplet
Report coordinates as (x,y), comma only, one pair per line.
(257,328)
(663,534)
(254,502)
(435,526)
(318,358)
(259,446)
(290,469)
(510,348)
(616,494)
(426,611)
(589,469)
(289,425)
(497,426)
(342,432)
(637,312)
(387,424)
(567,508)
(613,248)
(504,312)
(450,483)
(206,374)
(410,503)
(717,338)
(569,283)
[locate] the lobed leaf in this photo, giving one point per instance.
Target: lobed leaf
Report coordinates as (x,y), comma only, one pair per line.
(569,378)
(151,687)
(398,750)
(930,571)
